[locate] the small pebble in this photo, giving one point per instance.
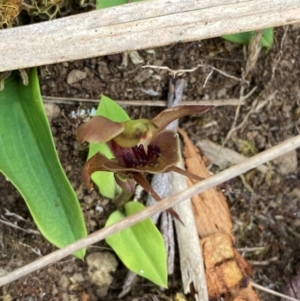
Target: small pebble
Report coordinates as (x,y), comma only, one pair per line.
(64,282)
(76,76)
(88,199)
(105,202)
(100,266)
(52,111)
(77,277)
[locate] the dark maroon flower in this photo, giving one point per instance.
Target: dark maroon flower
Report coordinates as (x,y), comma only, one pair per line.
(139,146)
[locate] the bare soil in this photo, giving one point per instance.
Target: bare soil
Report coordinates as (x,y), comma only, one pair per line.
(264,207)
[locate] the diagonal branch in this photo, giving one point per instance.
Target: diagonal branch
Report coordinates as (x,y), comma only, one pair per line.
(166,203)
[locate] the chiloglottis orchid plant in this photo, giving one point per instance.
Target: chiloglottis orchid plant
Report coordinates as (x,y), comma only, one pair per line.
(139,146)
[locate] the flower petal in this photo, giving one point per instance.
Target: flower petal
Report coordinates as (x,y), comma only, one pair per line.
(95,163)
(98,129)
(186,173)
(141,180)
(127,185)
(168,143)
(167,116)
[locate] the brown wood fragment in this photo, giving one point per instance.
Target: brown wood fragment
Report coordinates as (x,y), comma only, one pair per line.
(227,272)
(210,207)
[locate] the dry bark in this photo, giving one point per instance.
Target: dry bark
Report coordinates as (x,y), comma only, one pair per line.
(210,207)
(136,26)
(227,272)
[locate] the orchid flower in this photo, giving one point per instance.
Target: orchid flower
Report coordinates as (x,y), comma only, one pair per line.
(139,146)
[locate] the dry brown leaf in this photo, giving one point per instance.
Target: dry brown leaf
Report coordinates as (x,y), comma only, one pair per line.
(210,207)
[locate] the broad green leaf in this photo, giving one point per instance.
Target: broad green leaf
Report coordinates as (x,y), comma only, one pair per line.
(245,37)
(29,160)
(110,3)
(104,179)
(140,247)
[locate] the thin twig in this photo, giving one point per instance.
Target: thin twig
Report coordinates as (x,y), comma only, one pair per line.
(166,203)
(263,103)
(152,103)
(37,251)
(254,48)
(267,290)
(280,53)
(179,72)
(252,110)
(207,77)
(8,223)
(253,249)
(237,112)
(263,262)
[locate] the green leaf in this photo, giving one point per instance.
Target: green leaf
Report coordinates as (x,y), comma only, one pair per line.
(104,179)
(239,38)
(29,160)
(268,37)
(110,3)
(140,247)
(245,37)
(111,110)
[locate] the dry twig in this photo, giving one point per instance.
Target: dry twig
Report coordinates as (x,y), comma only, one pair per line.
(254,109)
(254,49)
(237,113)
(280,52)
(152,103)
(179,72)
(166,203)
(267,290)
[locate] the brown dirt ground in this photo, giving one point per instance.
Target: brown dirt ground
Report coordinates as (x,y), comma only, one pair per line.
(268,216)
